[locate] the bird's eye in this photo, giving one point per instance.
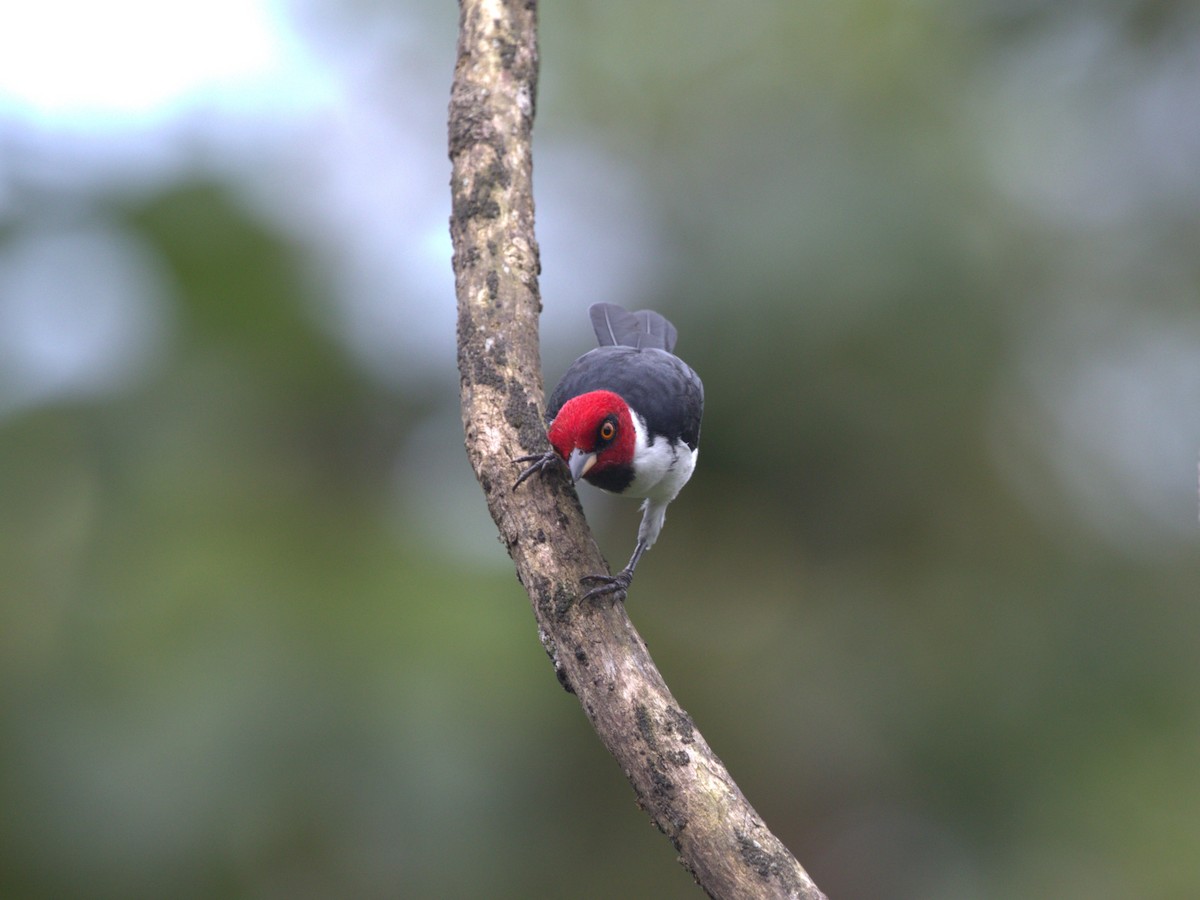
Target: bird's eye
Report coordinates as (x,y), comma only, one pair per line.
(607,430)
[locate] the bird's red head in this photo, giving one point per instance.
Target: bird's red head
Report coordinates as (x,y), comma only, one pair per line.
(594,434)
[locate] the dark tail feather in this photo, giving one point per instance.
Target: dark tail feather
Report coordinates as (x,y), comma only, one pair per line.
(615,326)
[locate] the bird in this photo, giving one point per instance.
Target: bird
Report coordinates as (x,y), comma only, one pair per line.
(625,417)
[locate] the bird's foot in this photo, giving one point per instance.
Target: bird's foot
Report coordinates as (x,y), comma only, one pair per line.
(616,586)
(540,462)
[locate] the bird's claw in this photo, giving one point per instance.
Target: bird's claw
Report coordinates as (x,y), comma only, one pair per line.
(616,585)
(540,461)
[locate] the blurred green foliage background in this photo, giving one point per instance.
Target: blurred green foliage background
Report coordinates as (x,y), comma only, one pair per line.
(932,594)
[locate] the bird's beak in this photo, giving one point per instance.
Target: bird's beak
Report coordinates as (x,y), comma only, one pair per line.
(579,463)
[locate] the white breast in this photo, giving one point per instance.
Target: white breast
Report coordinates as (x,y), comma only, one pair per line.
(661,470)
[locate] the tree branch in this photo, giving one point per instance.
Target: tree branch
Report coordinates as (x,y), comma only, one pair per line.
(597,653)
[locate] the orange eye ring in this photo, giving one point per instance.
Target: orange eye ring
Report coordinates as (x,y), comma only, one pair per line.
(608,431)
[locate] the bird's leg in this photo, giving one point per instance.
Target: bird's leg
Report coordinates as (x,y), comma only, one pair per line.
(616,585)
(540,462)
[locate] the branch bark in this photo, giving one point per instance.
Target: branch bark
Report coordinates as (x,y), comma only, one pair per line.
(597,653)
